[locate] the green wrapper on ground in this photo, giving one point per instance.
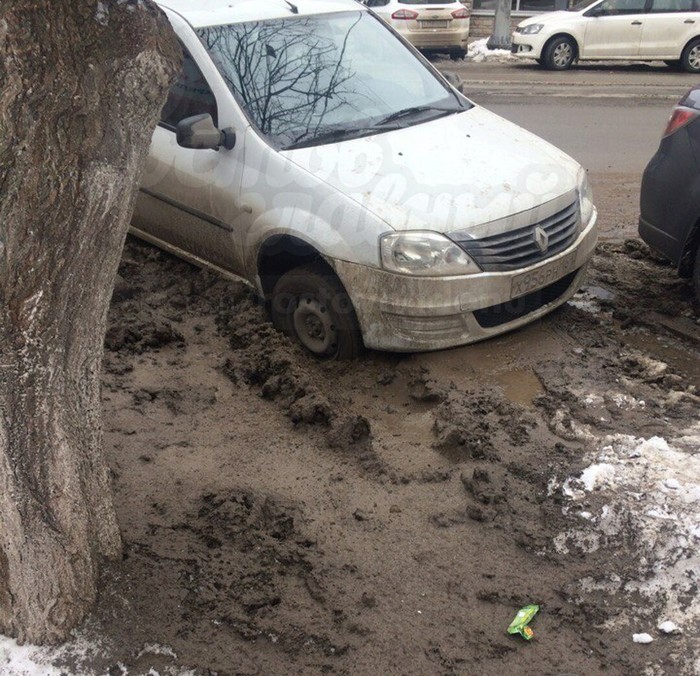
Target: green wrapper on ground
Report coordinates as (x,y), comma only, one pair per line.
(522,619)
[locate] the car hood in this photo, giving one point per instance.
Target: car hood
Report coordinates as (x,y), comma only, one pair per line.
(550,17)
(448,174)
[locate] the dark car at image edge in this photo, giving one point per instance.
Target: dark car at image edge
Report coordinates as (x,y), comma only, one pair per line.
(670,195)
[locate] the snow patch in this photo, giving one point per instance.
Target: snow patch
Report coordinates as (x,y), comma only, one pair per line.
(642,638)
(30,660)
(479,52)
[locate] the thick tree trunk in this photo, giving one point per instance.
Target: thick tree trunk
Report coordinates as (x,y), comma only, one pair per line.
(81,86)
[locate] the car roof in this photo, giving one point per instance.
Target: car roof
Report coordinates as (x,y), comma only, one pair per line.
(216,12)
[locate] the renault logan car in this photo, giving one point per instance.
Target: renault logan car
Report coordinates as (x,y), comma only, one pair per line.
(670,196)
(429,25)
(640,30)
(365,210)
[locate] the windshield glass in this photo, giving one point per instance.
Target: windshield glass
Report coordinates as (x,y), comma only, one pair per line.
(581,5)
(302,78)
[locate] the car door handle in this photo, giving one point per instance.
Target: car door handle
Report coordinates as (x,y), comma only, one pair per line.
(689,21)
(636,23)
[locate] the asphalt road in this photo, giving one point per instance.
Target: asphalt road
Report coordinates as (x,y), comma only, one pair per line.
(609,117)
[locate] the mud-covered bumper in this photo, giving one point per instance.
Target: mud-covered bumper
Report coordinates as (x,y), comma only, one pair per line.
(402,313)
(447,40)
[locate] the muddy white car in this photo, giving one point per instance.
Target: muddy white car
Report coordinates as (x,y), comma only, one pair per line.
(366,209)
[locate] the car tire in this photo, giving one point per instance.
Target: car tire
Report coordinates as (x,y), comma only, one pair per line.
(690,59)
(559,54)
(310,304)
(696,275)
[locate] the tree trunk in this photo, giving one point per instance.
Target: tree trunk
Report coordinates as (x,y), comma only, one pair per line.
(82,83)
(501,37)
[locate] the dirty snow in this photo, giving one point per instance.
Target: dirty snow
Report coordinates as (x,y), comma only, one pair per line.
(30,660)
(25,660)
(479,52)
(647,491)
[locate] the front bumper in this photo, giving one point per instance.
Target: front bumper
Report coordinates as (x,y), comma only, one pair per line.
(401,313)
(528,46)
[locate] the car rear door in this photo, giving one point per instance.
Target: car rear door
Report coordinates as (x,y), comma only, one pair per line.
(614,30)
(668,27)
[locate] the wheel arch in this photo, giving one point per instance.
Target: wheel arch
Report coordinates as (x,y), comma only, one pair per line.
(280,253)
(690,249)
(561,34)
(695,38)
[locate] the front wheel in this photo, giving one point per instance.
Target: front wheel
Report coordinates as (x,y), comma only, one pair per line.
(310,304)
(696,275)
(559,54)
(690,59)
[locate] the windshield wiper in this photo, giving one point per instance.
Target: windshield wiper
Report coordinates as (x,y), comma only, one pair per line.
(416,110)
(339,134)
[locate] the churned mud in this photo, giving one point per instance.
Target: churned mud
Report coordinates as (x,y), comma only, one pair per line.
(389,516)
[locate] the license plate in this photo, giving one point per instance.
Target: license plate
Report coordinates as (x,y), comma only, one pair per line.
(434,24)
(536,279)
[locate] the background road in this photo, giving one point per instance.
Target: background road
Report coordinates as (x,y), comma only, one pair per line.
(609,118)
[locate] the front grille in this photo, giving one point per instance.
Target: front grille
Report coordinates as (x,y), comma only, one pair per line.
(496,315)
(518,248)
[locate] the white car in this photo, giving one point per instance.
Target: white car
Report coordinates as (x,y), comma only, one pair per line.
(429,25)
(639,30)
(362,207)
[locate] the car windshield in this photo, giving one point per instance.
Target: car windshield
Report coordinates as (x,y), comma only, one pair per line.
(580,6)
(317,79)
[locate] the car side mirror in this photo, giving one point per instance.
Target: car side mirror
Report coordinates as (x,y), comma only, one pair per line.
(199,133)
(455,80)
(594,12)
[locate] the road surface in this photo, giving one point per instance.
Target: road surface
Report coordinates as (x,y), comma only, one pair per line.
(609,118)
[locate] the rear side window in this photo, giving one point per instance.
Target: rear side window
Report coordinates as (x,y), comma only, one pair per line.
(664,6)
(190,95)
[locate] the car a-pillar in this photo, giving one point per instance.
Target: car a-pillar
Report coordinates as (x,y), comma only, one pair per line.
(306,300)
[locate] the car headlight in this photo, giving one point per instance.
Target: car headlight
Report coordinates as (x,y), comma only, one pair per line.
(585,196)
(532,28)
(424,253)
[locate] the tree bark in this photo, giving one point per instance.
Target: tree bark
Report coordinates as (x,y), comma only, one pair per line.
(81,86)
(501,36)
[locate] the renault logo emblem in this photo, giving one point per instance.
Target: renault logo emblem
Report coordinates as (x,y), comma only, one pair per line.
(541,239)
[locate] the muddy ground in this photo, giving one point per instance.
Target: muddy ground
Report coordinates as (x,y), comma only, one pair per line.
(390,515)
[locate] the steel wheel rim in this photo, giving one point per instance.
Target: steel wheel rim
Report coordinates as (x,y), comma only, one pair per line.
(694,58)
(314,326)
(563,54)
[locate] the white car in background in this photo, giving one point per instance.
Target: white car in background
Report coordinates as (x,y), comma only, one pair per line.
(629,30)
(429,25)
